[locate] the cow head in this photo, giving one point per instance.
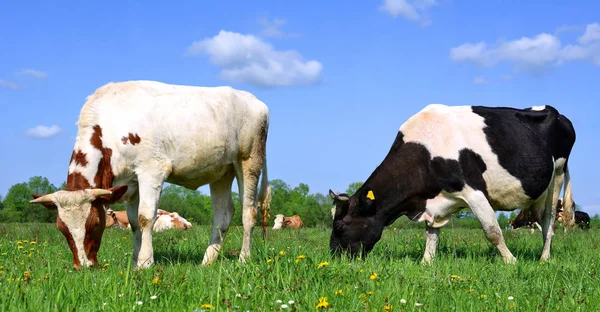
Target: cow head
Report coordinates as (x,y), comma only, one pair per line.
(355,228)
(278,223)
(81,219)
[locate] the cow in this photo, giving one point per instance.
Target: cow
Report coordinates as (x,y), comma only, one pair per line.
(164,220)
(135,135)
(582,219)
(446,158)
(282,222)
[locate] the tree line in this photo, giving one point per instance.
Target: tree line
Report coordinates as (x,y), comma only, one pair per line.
(196,207)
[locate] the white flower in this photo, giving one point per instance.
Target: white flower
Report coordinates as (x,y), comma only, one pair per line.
(418,304)
(284,306)
(291,302)
(403,301)
(120,295)
(279,301)
(238,295)
(153,297)
(139,303)
(511,298)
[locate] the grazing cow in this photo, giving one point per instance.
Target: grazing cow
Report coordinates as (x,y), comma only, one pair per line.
(134,136)
(293,222)
(582,219)
(448,158)
(164,220)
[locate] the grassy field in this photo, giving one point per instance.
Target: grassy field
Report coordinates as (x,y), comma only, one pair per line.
(293,271)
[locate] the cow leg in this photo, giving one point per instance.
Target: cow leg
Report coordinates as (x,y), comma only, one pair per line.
(432,235)
(548,222)
(248,184)
(222,205)
(142,220)
(483,211)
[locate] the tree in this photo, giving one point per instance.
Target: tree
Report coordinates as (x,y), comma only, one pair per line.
(353,187)
(17,206)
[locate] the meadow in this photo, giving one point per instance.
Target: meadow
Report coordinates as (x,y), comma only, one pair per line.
(293,271)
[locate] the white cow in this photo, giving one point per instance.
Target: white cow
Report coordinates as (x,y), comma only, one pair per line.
(134,136)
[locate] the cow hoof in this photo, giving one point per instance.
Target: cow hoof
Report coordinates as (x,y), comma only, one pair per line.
(510,260)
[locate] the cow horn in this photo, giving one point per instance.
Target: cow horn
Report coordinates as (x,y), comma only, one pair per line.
(101,192)
(48,198)
(343,198)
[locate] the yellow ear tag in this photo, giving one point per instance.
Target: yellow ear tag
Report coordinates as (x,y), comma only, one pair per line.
(370,195)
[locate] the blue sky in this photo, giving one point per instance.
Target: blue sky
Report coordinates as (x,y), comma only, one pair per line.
(339,78)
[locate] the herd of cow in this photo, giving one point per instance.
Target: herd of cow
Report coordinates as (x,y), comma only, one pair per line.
(134,136)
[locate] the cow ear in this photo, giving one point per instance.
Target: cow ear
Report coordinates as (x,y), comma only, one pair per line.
(116,193)
(48,204)
(367,200)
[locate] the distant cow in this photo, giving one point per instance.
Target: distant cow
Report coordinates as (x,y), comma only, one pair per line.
(448,158)
(164,220)
(133,136)
(293,222)
(582,219)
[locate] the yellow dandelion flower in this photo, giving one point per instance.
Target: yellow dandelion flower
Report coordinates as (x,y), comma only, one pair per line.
(25,241)
(19,242)
(471,290)
(362,296)
(32,249)
(20,247)
(27,275)
(483,296)
(121,273)
(369,293)
(339,292)
(32,243)
(185,238)
(300,257)
(155,280)
(282,252)
(323,264)
(373,276)
(269,260)
(106,264)
(207,306)
(361,270)
(323,304)
(453,276)
(387,308)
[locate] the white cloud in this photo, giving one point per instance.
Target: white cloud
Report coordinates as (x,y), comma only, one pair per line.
(5,84)
(416,10)
(273,28)
(32,73)
(43,131)
(246,58)
(531,53)
(480,80)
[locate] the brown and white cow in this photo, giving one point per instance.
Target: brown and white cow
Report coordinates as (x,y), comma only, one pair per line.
(282,222)
(133,136)
(164,220)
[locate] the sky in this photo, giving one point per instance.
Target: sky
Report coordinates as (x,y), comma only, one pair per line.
(339,77)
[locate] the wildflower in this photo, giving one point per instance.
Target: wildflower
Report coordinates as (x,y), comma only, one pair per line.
(339,292)
(373,276)
(279,301)
(207,306)
(155,280)
(20,247)
(284,306)
(418,304)
(25,241)
(300,257)
(32,243)
(106,264)
(291,302)
(403,301)
(453,276)
(153,297)
(269,260)
(282,252)
(26,275)
(238,295)
(322,264)
(139,303)
(31,249)
(483,296)
(387,308)
(511,306)
(369,293)
(361,270)
(121,273)
(511,298)
(322,303)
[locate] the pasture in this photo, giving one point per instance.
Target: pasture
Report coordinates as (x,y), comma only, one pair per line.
(293,271)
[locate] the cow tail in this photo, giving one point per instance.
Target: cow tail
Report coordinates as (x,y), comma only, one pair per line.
(264,198)
(568,204)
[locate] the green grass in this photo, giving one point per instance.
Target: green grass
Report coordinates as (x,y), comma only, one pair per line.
(467,275)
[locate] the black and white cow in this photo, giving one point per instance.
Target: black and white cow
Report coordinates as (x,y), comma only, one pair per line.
(448,158)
